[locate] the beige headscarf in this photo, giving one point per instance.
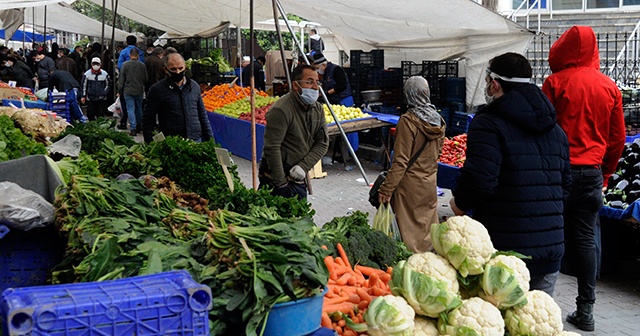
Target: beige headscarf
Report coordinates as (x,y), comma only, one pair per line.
(416,90)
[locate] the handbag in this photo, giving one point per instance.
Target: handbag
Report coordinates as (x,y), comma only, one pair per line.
(374,191)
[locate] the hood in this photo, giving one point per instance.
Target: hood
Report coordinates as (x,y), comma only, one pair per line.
(315,37)
(526,107)
(577,47)
(430,131)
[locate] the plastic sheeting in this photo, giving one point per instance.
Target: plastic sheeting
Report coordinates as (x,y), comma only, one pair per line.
(64,18)
(11,19)
(28,37)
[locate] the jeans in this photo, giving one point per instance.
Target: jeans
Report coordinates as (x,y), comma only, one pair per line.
(134,110)
(74,107)
(544,282)
(580,219)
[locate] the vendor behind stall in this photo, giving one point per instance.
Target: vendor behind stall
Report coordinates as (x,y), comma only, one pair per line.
(20,72)
(258,73)
(335,81)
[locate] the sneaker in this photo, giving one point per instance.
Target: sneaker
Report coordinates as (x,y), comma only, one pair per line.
(121,127)
(133,133)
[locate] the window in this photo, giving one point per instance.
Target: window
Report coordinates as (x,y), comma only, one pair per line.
(603,4)
(543,3)
(630,2)
(567,4)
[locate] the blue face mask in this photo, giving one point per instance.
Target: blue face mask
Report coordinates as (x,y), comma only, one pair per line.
(309,96)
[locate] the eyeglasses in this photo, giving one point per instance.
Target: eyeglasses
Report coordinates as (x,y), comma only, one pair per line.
(310,82)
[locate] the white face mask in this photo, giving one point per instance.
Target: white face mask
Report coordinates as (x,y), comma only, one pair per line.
(309,96)
(487,97)
(95,67)
(320,71)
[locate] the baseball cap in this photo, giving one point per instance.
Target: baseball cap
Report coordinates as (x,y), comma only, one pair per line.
(96,60)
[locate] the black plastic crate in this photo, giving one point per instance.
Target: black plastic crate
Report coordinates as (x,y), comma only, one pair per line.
(456,89)
(374,58)
(441,68)
(410,69)
(386,78)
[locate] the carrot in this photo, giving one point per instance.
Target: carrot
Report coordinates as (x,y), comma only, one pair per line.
(355,298)
(342,323)
(326,321)
(381,284)
(352,280)
(340,262)
(340,270)
(343,255)
(373,280)
(389,270)
(359,276)
(379,291)
(368,271)
(349,332)
(385,277)
(344,278)
(344,307)
(325,247)
(332,282)
(336,300)
(363,294)
(338,329)
(363,304)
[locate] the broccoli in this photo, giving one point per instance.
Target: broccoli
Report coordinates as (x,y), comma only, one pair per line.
(359,247)
(385,251)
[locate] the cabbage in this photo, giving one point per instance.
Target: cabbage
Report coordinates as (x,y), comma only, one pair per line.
(389,315)
(505,282)
(426,294)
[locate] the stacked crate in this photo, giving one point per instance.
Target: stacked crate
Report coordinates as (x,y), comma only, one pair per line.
(361,71)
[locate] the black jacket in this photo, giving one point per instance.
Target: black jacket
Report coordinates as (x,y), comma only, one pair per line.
(517,176)
(180,112)
(21,73)
(258,74)
(63,81)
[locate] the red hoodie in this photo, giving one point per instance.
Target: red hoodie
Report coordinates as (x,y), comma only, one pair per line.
(588,103)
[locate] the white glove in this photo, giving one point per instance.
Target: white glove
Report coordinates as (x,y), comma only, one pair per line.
(297,173)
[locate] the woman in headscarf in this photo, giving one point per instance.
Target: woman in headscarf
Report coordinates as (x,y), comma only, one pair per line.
(413,192)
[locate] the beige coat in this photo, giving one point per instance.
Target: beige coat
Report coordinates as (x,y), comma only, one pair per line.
(414,192)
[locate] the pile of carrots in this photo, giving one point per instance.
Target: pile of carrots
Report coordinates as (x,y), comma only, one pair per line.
(351,289)
(222,94)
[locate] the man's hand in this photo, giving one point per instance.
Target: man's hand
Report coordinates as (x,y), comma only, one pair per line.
(282,190)
(454,207)
(384,198)
(297,173)
(83,100)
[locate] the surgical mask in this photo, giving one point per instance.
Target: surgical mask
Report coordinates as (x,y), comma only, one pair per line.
(176,76)
(95,67)
(320,71)
(487,97)
(7,65)
(309,96)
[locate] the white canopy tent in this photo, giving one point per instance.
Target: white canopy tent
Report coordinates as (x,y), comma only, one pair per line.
(411,30)
(64,18)
(8,4)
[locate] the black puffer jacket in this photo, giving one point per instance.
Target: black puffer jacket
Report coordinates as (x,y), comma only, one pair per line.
(180,112)
(517,176)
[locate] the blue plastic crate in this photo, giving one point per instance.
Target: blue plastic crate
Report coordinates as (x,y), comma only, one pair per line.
(447,176)
(460,121)
(27,257)
(446,115)
(168,303)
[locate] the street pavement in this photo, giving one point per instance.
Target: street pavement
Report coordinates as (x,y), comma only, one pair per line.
(617,310)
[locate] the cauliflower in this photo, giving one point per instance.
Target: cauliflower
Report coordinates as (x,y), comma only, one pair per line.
(389,316)
(428,282)
(505,281)
(540,316)
(425,327)
(569,333)
(474,317)
(464,242)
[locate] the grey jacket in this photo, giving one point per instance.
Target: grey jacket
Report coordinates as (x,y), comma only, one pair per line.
(133,77)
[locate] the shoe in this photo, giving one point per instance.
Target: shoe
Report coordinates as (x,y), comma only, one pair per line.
(582,318)
(121,127)
(133,133)
(139,129)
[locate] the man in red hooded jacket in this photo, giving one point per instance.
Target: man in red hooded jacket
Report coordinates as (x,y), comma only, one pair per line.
(589,107)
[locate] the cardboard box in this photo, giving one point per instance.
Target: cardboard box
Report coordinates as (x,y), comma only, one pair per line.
(10,93)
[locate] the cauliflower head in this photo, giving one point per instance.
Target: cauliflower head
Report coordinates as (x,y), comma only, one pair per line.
(436,267)
(540,316)
(569,333)
(428,282)
(425,327)
(474,317)
(464,242)
(505,281)
(390,316)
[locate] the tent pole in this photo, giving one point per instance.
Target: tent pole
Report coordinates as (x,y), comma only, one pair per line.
(113,49)
(239,51)
(103,13)
(281,43)
(324,96)
(44,39)
(254,164)
(24,33)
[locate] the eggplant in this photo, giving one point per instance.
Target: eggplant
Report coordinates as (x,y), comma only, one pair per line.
(623,186)
(613,179)
(618,204)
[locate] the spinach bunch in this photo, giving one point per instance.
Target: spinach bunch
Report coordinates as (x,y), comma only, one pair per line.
(84,164)
(259,261)
(192,165)
(118,159)
(14,144)
(94,133)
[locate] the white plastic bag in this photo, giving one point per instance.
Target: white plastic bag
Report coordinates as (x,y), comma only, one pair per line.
(23,209)
(116,108)
(385,221)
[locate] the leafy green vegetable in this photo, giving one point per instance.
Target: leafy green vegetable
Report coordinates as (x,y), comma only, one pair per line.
(14,144)
(118,159)
(83,165)
(94,133)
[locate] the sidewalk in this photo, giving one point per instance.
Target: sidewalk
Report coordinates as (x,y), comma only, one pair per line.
(617,309)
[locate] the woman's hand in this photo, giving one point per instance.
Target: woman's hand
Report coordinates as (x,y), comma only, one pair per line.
(384,198)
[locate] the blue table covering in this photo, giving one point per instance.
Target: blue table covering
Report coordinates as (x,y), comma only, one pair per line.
(34,104)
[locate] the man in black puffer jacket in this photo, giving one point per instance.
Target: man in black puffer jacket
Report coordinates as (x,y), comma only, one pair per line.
(177,102)
(517,175)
